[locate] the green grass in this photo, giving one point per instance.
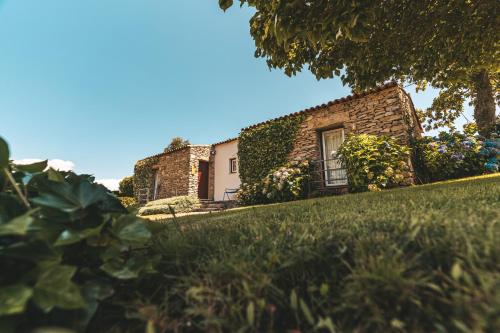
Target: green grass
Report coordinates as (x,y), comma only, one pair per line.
(420,259)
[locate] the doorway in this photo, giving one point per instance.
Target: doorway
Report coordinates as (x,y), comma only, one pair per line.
(203,180)
(334,173)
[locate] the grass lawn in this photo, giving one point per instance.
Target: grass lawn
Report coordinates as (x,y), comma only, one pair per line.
(420,259)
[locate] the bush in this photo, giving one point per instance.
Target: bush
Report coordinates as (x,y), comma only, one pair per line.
(180,204)
(128,202)
(374,162)
(282,184)
(449,156)
(126,187)
(68,248)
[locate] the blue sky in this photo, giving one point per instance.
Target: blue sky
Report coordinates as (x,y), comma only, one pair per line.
(103,83)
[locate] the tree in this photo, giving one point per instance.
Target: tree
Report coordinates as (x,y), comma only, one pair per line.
(451,45)
(177,142)
(126,186)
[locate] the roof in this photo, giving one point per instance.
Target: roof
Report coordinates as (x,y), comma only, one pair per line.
(225,141)
(336,101)
(174,150)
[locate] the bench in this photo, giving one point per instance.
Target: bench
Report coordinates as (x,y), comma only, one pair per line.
(229,191)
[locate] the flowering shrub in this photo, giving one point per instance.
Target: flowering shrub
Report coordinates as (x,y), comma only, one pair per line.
(450,155)
(284,183)
(128,202)
(374,162)
(491,149)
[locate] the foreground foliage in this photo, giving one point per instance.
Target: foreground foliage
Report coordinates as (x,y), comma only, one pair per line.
(67,248)
(420,259)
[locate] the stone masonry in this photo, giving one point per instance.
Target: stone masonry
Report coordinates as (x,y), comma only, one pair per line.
(178,171)
(385,110)
(388,111)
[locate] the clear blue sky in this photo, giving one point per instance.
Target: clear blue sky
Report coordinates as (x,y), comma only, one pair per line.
(104,83)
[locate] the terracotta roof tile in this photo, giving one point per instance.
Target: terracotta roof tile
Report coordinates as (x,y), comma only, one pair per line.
(225,141)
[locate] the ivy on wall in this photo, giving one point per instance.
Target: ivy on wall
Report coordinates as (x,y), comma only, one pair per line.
(144,173)
(266,147)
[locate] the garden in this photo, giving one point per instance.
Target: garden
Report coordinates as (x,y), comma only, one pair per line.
(73,257)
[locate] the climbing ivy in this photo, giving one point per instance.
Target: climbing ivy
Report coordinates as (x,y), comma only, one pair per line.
(143,173)
(266,147)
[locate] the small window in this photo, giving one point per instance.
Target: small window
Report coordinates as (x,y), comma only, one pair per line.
(233,166)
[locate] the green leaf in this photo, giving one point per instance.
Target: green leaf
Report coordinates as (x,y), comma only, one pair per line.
(54,175)
(123,271)
(54,288)
(4,154)
(250,313)
(32,168)
(294,300)
(456,271)
(131,230)
(225,4)
(307,312)
(17,226)
(70,236)
(13,299)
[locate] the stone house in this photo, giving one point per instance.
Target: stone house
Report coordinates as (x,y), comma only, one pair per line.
(385,110)
(181,171)
(208,171)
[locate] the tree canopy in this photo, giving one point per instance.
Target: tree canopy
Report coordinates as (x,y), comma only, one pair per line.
(177,142)
(126,186)
(451,45)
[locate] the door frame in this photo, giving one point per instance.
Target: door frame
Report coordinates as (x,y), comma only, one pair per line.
(324,152)
(204,181)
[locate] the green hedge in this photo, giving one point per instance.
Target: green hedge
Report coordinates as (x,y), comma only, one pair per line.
(266,147)
(144,173)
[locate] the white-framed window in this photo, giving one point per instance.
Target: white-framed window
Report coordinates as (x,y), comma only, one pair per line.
(233,165)
(334,174)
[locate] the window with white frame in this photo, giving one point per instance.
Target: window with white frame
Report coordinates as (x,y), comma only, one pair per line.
(233,165)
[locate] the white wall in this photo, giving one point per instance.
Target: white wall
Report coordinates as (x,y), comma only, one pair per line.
(223,178)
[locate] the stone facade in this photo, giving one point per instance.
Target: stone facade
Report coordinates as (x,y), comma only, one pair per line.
(177,171)
(388,111)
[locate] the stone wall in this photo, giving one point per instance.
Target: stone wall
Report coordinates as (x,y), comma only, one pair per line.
(196,154)
(211,174)
(384,112)
(178,171)
(173,173)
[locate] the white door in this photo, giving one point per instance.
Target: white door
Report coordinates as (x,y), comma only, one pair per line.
(334,174)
